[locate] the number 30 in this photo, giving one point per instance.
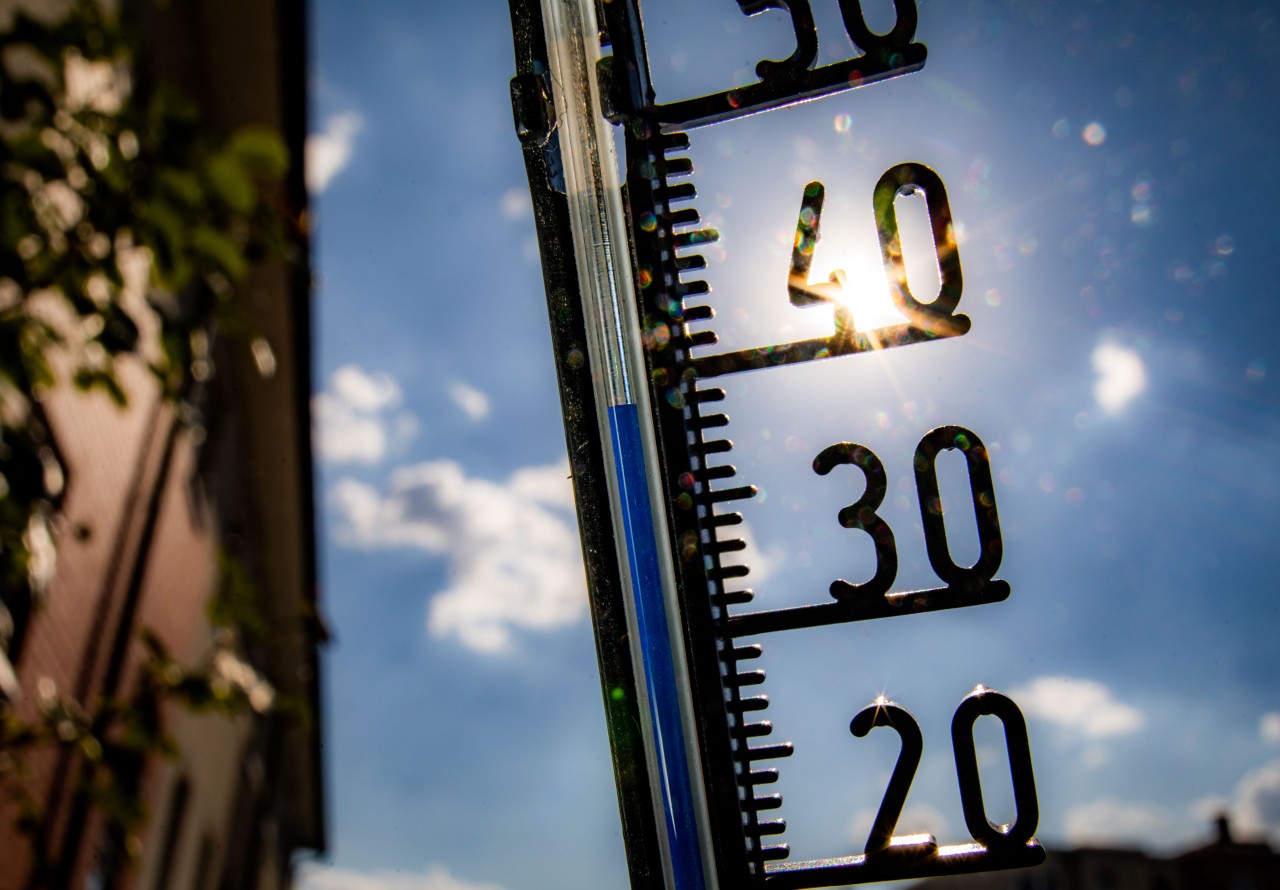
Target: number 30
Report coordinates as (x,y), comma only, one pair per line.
(862,515)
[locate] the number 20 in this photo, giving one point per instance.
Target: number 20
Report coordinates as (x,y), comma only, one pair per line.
(981,702)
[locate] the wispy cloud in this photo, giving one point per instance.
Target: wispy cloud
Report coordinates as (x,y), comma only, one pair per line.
(514,559)
(1122,376)
(472,401)
(1257,801)
(515,204)
(1110,821)
(1269,728)
(435,877)
(762,562)
(351,417)
(916,818)
(329,151)
(1086,708)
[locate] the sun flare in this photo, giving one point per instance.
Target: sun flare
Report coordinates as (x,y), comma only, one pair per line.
(853,281)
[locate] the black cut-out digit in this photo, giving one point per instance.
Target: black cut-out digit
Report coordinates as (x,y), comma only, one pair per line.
(987,702)
(899,719)
(808,231)
(937,317)
(983,493)
(806,38)
(861,515)
(807,234)
(906,17)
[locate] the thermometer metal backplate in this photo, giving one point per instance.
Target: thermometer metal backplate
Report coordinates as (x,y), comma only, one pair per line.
(707,398)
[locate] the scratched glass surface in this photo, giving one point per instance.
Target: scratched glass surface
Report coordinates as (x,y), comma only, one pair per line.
(1112,173)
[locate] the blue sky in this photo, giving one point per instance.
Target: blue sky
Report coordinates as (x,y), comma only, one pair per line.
(1112,169)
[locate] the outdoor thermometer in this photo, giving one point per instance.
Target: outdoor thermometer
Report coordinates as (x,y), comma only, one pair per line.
(674,497)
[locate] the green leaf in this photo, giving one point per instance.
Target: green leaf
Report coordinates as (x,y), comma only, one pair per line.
(181,185)
(89,379)
(165,233)
(216,247)
(177,350)
(29,149)
(119,332)
(19,95)
(72,284)
(231,181)
(261,150)
(236,603)
(35,337)
(154,645)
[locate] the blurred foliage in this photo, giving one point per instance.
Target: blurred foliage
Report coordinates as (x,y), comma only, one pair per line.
(109,189)
(121,734)
(96,175)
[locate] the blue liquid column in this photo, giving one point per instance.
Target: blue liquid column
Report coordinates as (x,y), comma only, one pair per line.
(655,643)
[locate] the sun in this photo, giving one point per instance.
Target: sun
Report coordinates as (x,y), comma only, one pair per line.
(859,284)
(828,278)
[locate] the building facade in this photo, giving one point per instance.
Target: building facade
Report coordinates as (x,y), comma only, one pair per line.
(1223,864)
(165,506)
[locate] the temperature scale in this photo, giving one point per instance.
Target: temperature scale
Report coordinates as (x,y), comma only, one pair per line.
(647,395)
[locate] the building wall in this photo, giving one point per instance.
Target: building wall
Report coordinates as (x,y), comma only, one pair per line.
(1224,864)
(148,509)
(133,553)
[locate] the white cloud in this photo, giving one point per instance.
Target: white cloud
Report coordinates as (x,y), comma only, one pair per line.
(329,151)
(364,391)
(1269,728)
(1110,822)
(514,559)
(515,203)
(1257,801)
(435,877)
(1095,757)
(1085,707)
(342,435)
(403,428)
(472,401)
(1121,376)
(916,818)
(349,420)
(1207,809)
(762,562)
